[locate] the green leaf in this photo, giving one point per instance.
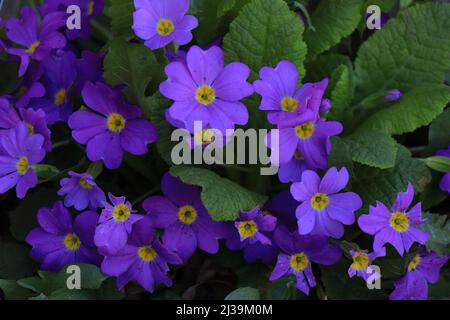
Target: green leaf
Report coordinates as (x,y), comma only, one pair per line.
(372,148)
(121,14)
(408,51)
(264,33)
(416,108)
(50,282)
(223,198)
(342,88)
(15,262)
(374,184)
(324,65)
(12,291)
(340,155)
(45,171)
(135,66)
(438,163)
(439,228)
(214,17)
(283,289)
(158,105)
(245,293)
(438,136)
(333,21)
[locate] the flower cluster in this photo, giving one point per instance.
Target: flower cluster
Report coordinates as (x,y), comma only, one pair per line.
(297,228)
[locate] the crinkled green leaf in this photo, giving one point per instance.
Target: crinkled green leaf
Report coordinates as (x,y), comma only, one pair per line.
(374,184)
(12,291)
(245,293)
(50,282)
(264,33)
(372,148)
(214,18)
(415,109)
(333,21)
(439,228)
(135,66)
(408,51)
(324,65)
(438,163)
(341,88)
(222,197)
(121,14)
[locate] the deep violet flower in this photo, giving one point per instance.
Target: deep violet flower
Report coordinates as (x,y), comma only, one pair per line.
(34,119)
(395,226)
(309,141)
(58,80)
(81,191)
(323,210)
(59,242)
(143,259)
(286,104)
(186,222)
(362,261)
(422,269)
(444,185)
(253,233)
(115,127)
(393,95)
(115,225)
(298,252)
(205,90)
(18,154)
(159,22)
(36,41)
(89,9)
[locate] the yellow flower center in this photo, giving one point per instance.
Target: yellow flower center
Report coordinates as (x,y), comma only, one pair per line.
(115,122)
(187,214)
(72,242)
(30,129)
(205,136)
(289,104)
(165,27)
(21,92)
(90,10)
(299,262)
(121,213)
(60,97)
(147,254)
(319,201)
(305,131)
(414,263)
(22,165)
(205,95)
(84,184)
(360,261)
(247,229)
(298,155)
(399,221)
(33,47)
